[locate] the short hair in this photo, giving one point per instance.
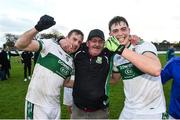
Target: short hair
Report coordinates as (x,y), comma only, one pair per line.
(117,20)
(78,32)
(60,38)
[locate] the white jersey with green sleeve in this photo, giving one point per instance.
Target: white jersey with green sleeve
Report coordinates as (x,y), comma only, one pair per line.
(53,66)
(143,92)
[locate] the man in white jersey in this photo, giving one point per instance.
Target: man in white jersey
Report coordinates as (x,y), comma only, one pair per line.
(139,68)
(53,67)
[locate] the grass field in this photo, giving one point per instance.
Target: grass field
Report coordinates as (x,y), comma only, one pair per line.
(13,91)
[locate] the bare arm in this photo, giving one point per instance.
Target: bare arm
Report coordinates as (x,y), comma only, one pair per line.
(148,62)
(68,83)
(115,77)
(26,42)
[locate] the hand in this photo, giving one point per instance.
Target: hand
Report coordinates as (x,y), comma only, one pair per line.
(45,22)
(135,40)
(113,44)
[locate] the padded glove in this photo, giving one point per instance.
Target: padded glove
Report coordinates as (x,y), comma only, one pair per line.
(113,45)
(45,22)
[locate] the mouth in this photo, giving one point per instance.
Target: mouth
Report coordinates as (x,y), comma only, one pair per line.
(96,48)
(121,38)
(73,48)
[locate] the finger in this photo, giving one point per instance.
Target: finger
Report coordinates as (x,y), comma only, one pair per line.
(54,22)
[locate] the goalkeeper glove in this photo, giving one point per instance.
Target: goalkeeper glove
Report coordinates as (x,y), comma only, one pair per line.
(113,45)
(45,22)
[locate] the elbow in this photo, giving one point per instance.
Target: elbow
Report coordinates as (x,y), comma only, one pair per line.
(19,45)
(114,81)
(156,72)
(16,46)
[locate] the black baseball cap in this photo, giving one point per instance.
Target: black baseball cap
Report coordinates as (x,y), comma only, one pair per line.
(96,33)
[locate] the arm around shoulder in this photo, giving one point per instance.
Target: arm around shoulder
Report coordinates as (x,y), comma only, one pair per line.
(115,78)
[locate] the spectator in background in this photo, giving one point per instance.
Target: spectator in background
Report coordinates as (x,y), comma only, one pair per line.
(36,55)
(2,72)
(26,60)
(170,53)
(5,62)
(9,55)
(171,72)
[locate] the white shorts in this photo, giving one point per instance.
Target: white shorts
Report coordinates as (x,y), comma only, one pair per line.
(33,111)
(127,116)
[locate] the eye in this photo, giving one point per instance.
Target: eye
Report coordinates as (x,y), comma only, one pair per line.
(124,29)
(80,42)
(93,40)
(115,31)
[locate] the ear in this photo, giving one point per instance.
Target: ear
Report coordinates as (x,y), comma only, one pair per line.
(129,30)
(110,34)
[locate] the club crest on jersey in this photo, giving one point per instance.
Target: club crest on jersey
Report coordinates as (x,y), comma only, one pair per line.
(67,58)
(99,60)
(60,52)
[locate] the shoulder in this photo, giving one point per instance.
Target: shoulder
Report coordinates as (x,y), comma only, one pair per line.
(146,44)
(107,52)
(82,49)
(46,42)
(175,60)
(146,47)
(83,46)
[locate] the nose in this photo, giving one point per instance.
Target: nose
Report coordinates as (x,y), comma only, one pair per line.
(121,35)
(76,44)
(98,43)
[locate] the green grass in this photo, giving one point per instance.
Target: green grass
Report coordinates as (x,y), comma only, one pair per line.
(13,91)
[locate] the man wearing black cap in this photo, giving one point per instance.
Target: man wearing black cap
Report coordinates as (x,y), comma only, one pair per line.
(92,70)
(90,90)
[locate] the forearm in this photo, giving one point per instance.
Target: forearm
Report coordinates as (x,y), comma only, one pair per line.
(113,82)
(69,83)
(25,39)
(115,78)
(147,64)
